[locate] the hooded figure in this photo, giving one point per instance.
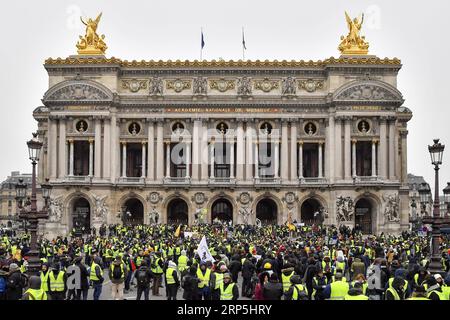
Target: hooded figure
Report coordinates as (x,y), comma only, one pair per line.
(190,284)
(396,292)
(34,291)
(172,282)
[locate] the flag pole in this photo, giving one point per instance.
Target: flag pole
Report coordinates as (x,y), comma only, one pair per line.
(201,44)
(243,45)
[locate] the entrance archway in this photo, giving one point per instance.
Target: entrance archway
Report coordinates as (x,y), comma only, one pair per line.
(222,210)
(363,216)
(81,216)
(267,211)
(310,211)
(177,212)
(133,212)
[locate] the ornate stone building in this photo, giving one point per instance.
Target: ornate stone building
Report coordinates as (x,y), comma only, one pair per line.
(253,141)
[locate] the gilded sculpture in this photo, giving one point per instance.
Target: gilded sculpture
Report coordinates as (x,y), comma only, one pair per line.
(92,43)
(354,43)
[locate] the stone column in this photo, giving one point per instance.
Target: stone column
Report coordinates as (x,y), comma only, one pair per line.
(338,150)
(240,151)
(347,150)
(212,160)
(160,151)
(374,158)
(294,175)
(404,156)
(382,151)
(392,175)
(188,159)
(320,159)
(276,157)
(107,156)
(284,151)
(232,159)
(204,156)
(330,151)
(114,149)
(168,159)
(300,159)
(91,157)
(71,157)
(124,159)
(144,159)
(249,156)
(98,149)
(52,148)
(62,149)
(354,158)
(256,160)
(196,149)
(151,152)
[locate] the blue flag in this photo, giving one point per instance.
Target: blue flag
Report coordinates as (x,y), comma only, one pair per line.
(203,41)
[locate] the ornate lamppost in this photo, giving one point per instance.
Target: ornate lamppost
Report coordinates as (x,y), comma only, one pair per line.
(436,221)
(32,215)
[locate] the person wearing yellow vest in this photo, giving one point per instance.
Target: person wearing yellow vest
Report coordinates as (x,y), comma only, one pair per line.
(117,273)
(228,289)
(44,277)
(434,289)
(216,280)
(356,292)
(419,294)
(296,290)
(338,289)
(204,274)
(397,290)
(35,291)
(56,283)
(182,263)
(172,282)
(157,269)
(96,277)
(286,275)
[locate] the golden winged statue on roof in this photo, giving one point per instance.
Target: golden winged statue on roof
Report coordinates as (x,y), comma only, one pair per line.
(91,43)
(354,43)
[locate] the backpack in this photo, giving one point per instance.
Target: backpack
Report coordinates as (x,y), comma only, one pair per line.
(117,272)
(141,277)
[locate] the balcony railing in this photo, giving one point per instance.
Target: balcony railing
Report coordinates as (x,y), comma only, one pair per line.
(366,179)
(177,181)
(133,180)
(81,179)
(222,181)
(312,180)
(267,181)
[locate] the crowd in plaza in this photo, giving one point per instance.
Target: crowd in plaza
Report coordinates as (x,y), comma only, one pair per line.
(256,262)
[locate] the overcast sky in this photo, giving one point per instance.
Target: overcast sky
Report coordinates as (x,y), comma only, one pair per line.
(416,32)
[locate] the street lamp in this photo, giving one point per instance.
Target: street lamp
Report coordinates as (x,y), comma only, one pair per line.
(436,153)
(21,193)
(425,197)
(447,197)
(33,215)
(46,191)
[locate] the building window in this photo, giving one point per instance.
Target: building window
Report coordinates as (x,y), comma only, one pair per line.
(178,161)
(134,160)
(81,158)
(222,128)
(363,126)
(178,128)
(134,128)
(222,160)
(364,158)
(266,161)
(310,129)
(266,128)
(81,126)
(9,203)
(310,160)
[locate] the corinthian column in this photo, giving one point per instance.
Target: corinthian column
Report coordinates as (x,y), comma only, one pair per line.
(70,157)
(374,158)
(98,149)
(320,159)
(144,158)
(347,150)
(294,176)
(284,151)
(91,157)
(62,149)
(124,159)
(354,158)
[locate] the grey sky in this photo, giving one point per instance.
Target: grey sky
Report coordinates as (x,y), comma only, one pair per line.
(417,33)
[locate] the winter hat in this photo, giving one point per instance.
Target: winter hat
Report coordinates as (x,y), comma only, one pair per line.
(35,282)
(227,275)
(13,267)
(437,276)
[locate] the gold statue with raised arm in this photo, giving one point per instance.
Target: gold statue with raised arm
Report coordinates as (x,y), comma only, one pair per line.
(354,43)
(92,43)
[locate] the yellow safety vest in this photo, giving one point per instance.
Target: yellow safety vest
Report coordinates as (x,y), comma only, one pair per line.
(204,278)
(56,284)
(286,281)
(44,280)
(441,295)
(121,270)
(297,288)
(446,291)
(182,263)
(418,298)
(93,274)
(157,269)
(169,275)
(364,286)
(219,280)
(339,290)
(34,294)
(405,286)
(226,294)
(394,293)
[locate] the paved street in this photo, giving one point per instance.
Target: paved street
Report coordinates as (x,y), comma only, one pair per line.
(131,295)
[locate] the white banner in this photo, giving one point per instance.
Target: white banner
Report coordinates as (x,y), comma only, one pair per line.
(203,251)
(188,234)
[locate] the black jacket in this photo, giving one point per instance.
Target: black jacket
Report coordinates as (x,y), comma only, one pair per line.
(235,290)
(147,276)
(190,286)
(235,267)
(15,285)
(273,291)
(84,276)
(248,269)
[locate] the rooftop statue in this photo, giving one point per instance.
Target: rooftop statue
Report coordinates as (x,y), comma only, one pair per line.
(354,43)
(92,43)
